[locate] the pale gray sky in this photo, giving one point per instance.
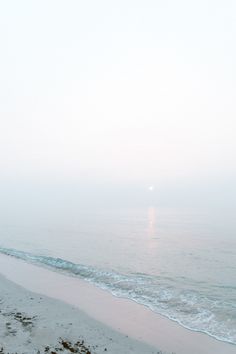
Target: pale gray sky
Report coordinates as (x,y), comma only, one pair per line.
(118,92)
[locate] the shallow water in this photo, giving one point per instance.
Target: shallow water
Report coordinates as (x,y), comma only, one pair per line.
(180,263)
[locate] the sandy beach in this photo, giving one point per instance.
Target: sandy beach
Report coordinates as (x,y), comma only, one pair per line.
(32,323)
(50,312)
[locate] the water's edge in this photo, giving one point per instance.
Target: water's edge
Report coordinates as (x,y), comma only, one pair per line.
(123,286)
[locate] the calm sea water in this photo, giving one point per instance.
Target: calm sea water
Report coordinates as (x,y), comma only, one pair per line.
(179,263)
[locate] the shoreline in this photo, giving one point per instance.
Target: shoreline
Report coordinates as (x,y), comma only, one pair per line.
(31,323)
(123,316)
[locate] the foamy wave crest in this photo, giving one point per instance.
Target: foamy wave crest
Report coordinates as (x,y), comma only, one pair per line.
(197,310)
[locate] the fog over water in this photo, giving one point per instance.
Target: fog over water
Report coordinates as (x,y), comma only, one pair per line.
(100,100)
(118,149)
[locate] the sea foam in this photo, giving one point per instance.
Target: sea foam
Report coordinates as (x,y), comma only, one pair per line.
(196,310)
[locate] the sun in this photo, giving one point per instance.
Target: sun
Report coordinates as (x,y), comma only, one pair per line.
(151,188)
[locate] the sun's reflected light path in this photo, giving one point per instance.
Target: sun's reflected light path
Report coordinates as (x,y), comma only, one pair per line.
(151,222)
(152,230)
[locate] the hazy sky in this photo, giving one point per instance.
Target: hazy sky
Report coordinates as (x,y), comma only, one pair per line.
(118,92)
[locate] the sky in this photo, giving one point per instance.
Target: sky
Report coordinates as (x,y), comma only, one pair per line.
(112,97)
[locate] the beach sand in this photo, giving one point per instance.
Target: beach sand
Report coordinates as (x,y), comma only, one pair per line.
(32,323)
(48,312)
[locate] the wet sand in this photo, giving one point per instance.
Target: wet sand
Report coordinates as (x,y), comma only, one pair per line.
(115,317)
(34,324)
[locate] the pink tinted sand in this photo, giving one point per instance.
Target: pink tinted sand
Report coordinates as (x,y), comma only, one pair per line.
(122,315)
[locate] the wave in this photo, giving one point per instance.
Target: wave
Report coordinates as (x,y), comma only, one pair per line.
(198,310)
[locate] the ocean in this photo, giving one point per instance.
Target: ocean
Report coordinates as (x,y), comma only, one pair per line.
(180,263)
